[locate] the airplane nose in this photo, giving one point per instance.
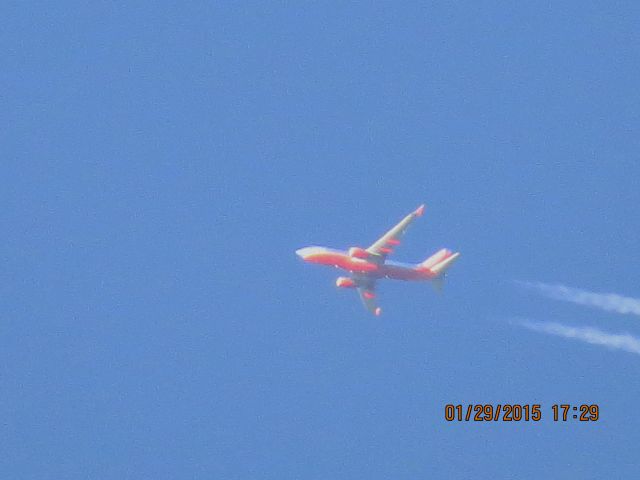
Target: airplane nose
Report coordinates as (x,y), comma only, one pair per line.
(305,252)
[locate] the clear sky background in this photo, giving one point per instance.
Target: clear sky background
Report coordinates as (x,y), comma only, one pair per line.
(161,163)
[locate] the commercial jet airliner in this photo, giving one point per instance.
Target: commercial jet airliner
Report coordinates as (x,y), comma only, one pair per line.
(366,266)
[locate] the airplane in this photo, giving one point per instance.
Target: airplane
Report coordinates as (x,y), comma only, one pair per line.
(367,265)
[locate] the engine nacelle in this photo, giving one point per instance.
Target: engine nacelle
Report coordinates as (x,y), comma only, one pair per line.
(357,252)
(345,282)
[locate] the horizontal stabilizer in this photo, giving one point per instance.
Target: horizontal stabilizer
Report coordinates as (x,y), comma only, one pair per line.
(437,284)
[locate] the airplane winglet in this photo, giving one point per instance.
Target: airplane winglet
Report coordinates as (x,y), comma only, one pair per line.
(419,211)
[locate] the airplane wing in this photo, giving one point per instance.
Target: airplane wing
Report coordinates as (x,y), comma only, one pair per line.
(368,297)
(385,245)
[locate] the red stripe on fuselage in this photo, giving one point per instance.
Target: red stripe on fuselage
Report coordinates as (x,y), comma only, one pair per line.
(354,265)
(343,261)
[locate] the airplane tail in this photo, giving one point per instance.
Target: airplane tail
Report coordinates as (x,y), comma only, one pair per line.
(439,262)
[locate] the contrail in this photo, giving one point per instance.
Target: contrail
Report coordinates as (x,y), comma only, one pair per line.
(626,341)
(610,302)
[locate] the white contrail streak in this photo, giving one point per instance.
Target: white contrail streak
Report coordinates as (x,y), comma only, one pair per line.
(610,302)
(625,341)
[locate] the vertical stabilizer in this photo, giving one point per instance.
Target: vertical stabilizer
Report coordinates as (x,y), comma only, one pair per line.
(435,258)
(441,267)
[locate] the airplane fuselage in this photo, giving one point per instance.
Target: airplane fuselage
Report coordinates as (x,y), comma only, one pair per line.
(368,265)
(341,259)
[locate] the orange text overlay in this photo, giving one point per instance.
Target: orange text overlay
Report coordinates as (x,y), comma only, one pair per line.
(515,412)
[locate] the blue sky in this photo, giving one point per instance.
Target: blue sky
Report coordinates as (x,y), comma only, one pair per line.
(163,162)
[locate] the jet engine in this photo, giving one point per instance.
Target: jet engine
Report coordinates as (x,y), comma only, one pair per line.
(345,282)
(357,252)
